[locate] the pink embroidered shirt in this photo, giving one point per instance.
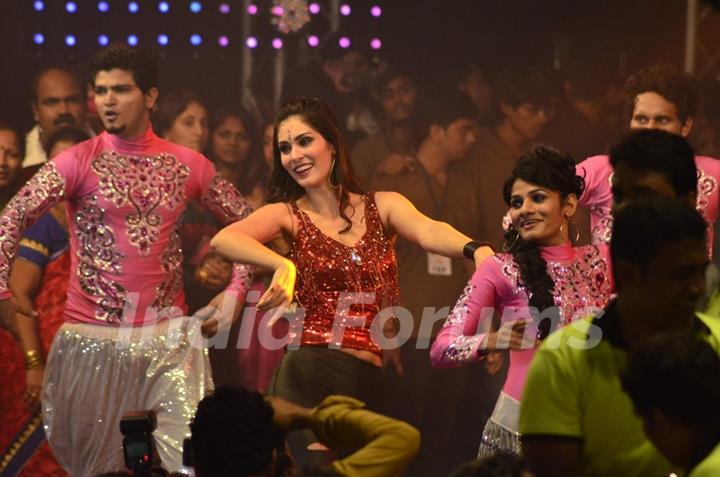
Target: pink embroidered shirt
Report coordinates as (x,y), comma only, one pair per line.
(598,194)
(582,286)
(125,203)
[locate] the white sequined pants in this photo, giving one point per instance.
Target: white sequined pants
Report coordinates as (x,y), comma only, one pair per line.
(95,374)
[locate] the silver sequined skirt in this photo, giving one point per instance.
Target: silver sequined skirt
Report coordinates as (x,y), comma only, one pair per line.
(501,431)
(95,374)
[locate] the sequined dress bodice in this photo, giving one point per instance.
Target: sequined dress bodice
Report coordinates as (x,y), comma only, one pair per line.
(343,288)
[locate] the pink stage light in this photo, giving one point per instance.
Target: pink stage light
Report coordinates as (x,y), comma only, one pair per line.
(314,8)
(345,9)
(344,42)
(313,41)
(375,11)
(277,43)
(251,42)
(375,44)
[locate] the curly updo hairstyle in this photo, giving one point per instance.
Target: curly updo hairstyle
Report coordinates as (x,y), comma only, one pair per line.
(548,169)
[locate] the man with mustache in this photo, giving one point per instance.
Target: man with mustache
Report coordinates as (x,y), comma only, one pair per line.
(58,99)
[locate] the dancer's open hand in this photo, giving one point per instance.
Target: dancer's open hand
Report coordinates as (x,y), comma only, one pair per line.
(281,289)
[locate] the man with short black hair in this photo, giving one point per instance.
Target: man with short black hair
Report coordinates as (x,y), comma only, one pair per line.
(239,433)
(125,344)
(58,99)
(524,98)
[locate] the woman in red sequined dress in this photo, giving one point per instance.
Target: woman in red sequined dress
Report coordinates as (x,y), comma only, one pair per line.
(339,244)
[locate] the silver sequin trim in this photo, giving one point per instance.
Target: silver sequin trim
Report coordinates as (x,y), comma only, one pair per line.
(223,199)
(461,349)
(45,189)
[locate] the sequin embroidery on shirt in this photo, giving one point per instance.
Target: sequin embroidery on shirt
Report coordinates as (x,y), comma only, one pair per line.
(461,349)
(581,285)
(171,264)
(145,183)
(707,185)
(45,189)
(98,252)
(223,199)
(602,229)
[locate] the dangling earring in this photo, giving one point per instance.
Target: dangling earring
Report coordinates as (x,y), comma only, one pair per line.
(329,179)
(506,248)
(571,224)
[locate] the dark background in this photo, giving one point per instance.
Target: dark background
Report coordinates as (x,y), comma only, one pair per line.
(615,36)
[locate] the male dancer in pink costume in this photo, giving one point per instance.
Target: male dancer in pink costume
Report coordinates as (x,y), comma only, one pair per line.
(658,97)
(126,191)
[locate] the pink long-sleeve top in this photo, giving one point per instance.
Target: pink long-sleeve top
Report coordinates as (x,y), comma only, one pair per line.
(598,173)
(582,286)
(125,203)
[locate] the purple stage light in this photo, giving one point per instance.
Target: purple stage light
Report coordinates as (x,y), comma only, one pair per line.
(132,40)
(70,40)
(103,40)
(39,6)
(71,7)
(163,39)
(195,39)
(345,9)
(344,42)
(313,41)
(224,8)
(133,7)
(39,38)
(103,7)
(314,8)
(223,41)
(375,11)
(164,7)
(251,42)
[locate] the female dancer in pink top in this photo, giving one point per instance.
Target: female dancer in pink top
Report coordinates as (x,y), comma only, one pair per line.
(542,273)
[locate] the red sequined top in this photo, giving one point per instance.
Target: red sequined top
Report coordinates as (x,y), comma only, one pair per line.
(343,288)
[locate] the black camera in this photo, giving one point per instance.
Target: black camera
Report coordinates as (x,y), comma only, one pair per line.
(138,443)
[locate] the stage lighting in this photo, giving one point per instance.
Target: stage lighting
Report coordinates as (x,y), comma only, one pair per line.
(375,44)
(163,39)
(164,7)
(375,11)
(313,41)
(277,10)
(39,38)
(251,42)
(345,10)
(344,42)
(252,9)
(195,7)
(223,41)
(314,8)
(71,7)
(103,7)
(277,43)
(195,39)
(103,40)
(224,8)
(39,5)
(133,7)
(70,40)
(132,40)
